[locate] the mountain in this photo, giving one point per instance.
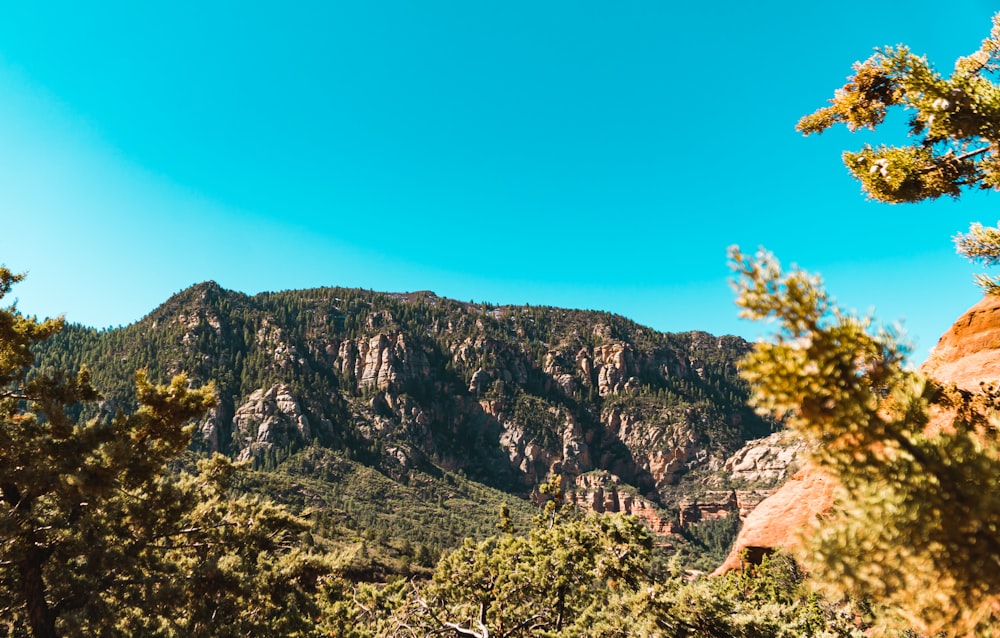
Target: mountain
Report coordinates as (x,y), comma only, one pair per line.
(346,399)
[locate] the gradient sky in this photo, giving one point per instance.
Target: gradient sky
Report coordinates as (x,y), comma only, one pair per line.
(584,154)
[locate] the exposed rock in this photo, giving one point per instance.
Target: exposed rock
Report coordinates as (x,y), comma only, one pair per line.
(748,500)
(269,418)
(603,492)
(480,382)
(780,519)
(665,450)
(210,429)
(708,505)
(384,361)
(969,352)
(506,394)
(614,365)
(765,462)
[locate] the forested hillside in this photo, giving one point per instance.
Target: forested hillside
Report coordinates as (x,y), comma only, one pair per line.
(408,418)
(117,522)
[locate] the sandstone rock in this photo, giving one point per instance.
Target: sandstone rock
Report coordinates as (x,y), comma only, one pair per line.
(765,462)
(969,352)
(780,519)
(708,505)
(748,500)
(269,418)
(209,430)
(601,492)
(567,382)
(665,451)
(384,361)
(480,382)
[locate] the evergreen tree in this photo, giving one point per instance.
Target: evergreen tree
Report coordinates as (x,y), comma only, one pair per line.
(917,523)
(97,538)
(954,123)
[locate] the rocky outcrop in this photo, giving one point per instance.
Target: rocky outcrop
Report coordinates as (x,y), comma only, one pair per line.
(748,500)
(764,462)
(211,430)
(562,449)
(604,493)
(707,506)
(778,521)
(384,361)
(969,352)
(269,418)
(660,443)
(610,368)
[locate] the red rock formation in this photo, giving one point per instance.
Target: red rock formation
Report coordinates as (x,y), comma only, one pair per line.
(599,493)
(967,354)
(780,518)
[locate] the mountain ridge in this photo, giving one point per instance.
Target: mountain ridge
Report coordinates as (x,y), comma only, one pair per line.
(413,383)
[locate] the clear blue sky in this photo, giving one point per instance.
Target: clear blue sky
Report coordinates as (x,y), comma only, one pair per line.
(575,153)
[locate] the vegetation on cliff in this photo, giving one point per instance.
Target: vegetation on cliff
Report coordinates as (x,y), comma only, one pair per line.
(399,398)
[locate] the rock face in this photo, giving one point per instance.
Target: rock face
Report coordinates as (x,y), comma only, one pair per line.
(708,506)
(384,361)
(779,519)
(967,354)
(269,418)
(765,462)
(602,492)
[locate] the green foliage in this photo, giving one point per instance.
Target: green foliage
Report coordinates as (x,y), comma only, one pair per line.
(405,527)
(712,540)
(533,585)
(954,123)
(590,577)
(917,525)
(97,538)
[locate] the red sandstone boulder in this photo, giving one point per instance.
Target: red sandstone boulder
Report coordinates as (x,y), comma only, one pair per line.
(969,352)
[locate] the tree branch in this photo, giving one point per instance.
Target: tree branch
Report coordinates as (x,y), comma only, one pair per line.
(955,158)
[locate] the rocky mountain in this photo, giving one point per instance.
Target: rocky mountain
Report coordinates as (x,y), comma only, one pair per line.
(415,384)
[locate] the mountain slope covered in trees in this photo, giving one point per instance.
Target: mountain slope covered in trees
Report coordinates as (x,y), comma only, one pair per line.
(406,417)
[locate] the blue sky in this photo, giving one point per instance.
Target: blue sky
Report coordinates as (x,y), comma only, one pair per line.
(584,154)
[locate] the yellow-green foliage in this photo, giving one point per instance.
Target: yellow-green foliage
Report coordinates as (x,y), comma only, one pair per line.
(955,120)
(917,525)
(98,538)
(954,124)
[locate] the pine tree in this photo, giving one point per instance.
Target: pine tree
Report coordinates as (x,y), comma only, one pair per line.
(954,123)
(917,524)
